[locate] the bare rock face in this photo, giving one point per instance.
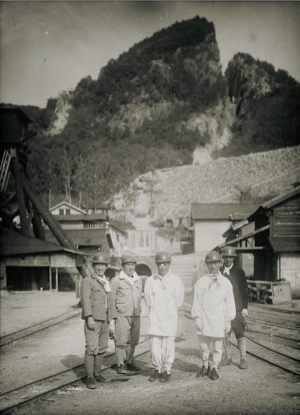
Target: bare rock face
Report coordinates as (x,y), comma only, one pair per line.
(61,113)
(250,80)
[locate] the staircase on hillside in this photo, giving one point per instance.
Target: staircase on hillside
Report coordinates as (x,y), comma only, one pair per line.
(184,267)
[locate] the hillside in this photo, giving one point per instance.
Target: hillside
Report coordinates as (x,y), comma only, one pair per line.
(168,193)
(163,103)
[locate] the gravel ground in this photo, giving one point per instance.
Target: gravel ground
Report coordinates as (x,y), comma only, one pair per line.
(262,389)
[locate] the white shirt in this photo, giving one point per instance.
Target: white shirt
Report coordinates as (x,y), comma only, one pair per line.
(226,270)
(213,305)
(163,296)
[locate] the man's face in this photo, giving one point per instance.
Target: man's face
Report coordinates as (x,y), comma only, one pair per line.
(228,260)
(213,267)
(100,269)
(163,268)
(129,268)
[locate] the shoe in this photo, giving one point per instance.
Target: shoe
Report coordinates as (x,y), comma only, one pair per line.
(226,361)
(90,383)
(132,366)
(165,377)
(202,371)
(243,364)
(213,375)
(156,375)
(101,379)
(121,370)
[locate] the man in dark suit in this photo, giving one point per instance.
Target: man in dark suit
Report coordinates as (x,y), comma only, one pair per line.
(238,280)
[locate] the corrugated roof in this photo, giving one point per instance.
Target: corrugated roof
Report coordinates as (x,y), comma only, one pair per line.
(276,201)
(14,243)
(229,211)
(83,237)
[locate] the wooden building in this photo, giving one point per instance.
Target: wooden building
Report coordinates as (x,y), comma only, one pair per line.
(275,240)
(26,259)
(28,263)
(90,233)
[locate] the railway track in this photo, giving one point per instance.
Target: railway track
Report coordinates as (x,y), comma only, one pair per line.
(280,350)
(17,397)
(276,344)
(20,334)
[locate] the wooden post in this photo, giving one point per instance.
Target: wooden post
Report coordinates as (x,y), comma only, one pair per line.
(20,195)
(56,279)
(46,215)
(37,224)
(3,275)
(50,274)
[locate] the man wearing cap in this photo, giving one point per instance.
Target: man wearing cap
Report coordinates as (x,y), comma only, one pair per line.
(97,311)
(237,277)
(127,294)
(164,294)
(212,311)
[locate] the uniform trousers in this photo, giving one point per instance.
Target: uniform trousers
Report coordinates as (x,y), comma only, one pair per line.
(211,347)
(127,335)
(96,341)
(163,352)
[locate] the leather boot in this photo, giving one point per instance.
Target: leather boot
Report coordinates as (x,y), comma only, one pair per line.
(97,369)
(89,369)
(242,349)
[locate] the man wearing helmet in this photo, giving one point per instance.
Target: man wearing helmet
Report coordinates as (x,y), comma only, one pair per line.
(238,280)
(213,309)
(127,294)
(97,311)
(164,294)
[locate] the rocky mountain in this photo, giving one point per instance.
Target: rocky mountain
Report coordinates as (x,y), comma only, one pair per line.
(168,193)
(165,102)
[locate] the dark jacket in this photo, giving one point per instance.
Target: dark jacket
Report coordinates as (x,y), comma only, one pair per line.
(238,280)
(93,300)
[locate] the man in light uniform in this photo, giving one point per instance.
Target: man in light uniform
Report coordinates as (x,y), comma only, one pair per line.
(97,311)
(213,309)
(164,294)
(237,277)
(126,295)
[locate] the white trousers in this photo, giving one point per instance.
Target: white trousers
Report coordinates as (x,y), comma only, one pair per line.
(211,350)
(163,352)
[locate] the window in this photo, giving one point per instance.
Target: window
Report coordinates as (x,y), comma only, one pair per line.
(61,211)
(68,212)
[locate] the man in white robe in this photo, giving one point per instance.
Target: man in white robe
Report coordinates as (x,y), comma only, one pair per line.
(213,309)
(164,294)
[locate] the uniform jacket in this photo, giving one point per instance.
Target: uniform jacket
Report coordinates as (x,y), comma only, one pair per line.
(126,295)
(238,280)
(94,299)
(163,296)
(213,305)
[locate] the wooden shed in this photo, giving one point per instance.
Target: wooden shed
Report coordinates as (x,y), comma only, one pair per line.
(275,240)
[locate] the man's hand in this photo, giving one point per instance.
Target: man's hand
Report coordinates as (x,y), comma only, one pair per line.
(244,312)
(111,329)
(90,323)
(199,324)
(227,327)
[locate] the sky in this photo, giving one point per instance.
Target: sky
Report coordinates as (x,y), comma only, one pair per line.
(48,47)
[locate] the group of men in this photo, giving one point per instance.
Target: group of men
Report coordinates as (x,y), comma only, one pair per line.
(113,308)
